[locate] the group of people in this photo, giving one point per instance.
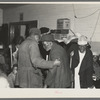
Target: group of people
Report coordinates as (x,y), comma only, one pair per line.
(43,62)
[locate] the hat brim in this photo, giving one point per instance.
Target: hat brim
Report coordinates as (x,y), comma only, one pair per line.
(48,38)
(82,42)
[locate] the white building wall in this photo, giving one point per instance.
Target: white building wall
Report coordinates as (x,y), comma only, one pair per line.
(47,15)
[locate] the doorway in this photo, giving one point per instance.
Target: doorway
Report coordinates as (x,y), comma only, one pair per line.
(17,29)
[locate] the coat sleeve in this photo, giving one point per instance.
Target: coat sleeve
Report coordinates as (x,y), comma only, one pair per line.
(90,70)
(36,58)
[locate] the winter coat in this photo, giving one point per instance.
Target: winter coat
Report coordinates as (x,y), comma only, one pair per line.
(59,77)
(86,68)
(29,63)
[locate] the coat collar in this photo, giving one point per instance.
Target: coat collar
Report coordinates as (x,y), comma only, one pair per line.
(31,38)
(84,64)
(53,46)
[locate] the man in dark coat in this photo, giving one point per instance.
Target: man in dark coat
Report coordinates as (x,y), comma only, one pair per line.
(82,64)
(43,52)
(30,62)
(58,77)
(44,30)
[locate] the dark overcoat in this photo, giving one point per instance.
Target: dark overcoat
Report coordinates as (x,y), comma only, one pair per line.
(59,77)
(86,68)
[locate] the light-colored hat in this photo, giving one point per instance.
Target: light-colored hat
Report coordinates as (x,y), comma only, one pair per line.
(34,31)
(82,40)
(95,54)
(47,37)
(78,35)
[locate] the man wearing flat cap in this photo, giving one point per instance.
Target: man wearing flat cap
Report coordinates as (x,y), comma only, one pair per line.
(30,62)
(58,77)
(82,65)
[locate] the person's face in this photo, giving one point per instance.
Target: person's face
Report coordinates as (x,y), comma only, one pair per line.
(95,58)
(37,38)
(15,70)
(82,48)
(47,45)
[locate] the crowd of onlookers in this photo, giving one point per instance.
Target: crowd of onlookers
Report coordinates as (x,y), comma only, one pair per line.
(40,61)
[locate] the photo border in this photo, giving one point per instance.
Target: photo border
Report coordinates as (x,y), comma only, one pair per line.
(49,93)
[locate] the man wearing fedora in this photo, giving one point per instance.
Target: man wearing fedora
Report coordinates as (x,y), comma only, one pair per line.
(82,65)
(30,62)
(58,77)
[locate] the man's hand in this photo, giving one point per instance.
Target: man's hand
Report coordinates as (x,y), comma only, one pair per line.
(94,77)
(92,87)
(10,46)
(57,62)
(45,86)
(72,53)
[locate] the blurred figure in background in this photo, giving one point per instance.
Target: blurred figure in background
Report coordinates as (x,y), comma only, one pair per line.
(20,39)
(4,81)
(3,70)
(3,58)
(98,60)
(12,76)
(96,67)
